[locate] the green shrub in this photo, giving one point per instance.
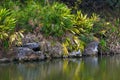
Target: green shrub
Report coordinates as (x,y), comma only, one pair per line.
(27,16)
(56,19)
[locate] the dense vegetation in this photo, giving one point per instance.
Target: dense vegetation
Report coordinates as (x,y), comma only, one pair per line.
(56,19)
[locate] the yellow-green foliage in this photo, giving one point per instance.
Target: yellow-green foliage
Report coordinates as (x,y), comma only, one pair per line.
(7,24)
(73,43)
(65,50)
(81,31)
(83,23)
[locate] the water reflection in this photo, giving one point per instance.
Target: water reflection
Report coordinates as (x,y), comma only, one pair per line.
(91,62)
(90,68)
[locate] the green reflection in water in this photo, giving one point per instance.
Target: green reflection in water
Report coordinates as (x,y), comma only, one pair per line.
(90,68)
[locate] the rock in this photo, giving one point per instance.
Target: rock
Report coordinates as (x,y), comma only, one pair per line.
(91,49)
(23,52)
(38,52)
(51,49)
(27,54)
(34,46)
(75,54)
(4,60)
(42,57)
(114,48)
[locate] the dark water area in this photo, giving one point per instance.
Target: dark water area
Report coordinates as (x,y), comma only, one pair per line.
(89,68)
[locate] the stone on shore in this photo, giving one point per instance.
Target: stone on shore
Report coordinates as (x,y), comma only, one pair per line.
(91,49)
(4,60)
(75,54)
(24,53)
(34,46)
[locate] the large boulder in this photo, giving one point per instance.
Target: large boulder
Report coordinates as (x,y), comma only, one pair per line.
(37,42)
(91,49)
(24,53)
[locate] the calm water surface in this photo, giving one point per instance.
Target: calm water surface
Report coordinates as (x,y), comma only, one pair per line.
(90,68)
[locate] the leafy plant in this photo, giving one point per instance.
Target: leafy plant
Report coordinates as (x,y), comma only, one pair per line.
(7,23)
(56,19)
(83,23)
(28,16)
(103,44)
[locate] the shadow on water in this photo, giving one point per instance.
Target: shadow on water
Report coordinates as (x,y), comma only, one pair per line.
(89,68)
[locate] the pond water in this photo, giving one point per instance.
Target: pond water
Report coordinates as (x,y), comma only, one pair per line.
(90,68)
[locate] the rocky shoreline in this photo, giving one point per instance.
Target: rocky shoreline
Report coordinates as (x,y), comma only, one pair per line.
(31,52)
(37,48)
